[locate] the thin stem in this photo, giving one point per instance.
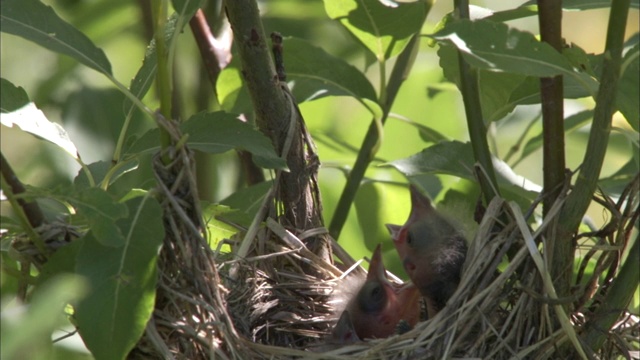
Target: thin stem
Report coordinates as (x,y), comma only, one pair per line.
(475,122)
(29,213)
(163,75)
(617,299)
(371,140)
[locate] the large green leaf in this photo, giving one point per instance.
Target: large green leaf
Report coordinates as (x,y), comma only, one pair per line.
(456,158)
(317,74)
(218,132)
(34,21)
(495,47)
(101,212)
(384,30)
(11,97)
(628,93)
(123,279)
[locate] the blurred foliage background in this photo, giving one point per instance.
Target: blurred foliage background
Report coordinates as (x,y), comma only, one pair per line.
(91,110)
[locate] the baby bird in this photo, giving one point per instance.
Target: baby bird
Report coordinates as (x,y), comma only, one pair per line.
(378,307)
(432,252)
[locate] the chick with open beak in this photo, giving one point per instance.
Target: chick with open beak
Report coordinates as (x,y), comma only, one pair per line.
(378,308)
(432,251)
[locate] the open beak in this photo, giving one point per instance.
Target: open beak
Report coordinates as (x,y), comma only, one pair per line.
(376,267)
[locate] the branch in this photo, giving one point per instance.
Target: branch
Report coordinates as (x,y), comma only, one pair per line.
(616,301)
(278,116)
(579,199)
(215,53)
(475,122)
(367,150)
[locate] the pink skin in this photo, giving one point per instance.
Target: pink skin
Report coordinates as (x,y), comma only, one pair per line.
(372,314)
(432,251)
(420,209)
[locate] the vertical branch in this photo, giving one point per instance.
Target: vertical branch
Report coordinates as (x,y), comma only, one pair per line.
(579,199)
(551,92)
(367,150)
(278,117)
(163,76)
(561,249)
(473,111)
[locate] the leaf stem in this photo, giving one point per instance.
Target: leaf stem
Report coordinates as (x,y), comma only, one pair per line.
(473,110)
(163,75)
(371,140)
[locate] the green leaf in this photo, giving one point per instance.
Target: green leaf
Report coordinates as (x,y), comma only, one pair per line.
(34,21)
(456,158)
(101,212)
(232,94)
(100,169)
(123,279)
(186,7)
(11,97)
(248,199)
(384,30)
(63,261)
(628,93)
(218,132)
(496,47)
(317,74)
(30,119)
(26,329)
(218,230)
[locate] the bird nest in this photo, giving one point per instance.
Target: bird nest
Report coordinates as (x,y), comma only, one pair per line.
(275,302)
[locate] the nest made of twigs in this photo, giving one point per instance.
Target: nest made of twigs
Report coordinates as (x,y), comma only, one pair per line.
(268,306)
(275,302)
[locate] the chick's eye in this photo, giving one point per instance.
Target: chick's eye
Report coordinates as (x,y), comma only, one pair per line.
(409,238)
(371,297)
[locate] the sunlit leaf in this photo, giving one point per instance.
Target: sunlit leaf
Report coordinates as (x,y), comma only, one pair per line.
(37,22)
(123,279)
(30,119)
(232,94)
(382,29)
(496,47)
(218,230)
